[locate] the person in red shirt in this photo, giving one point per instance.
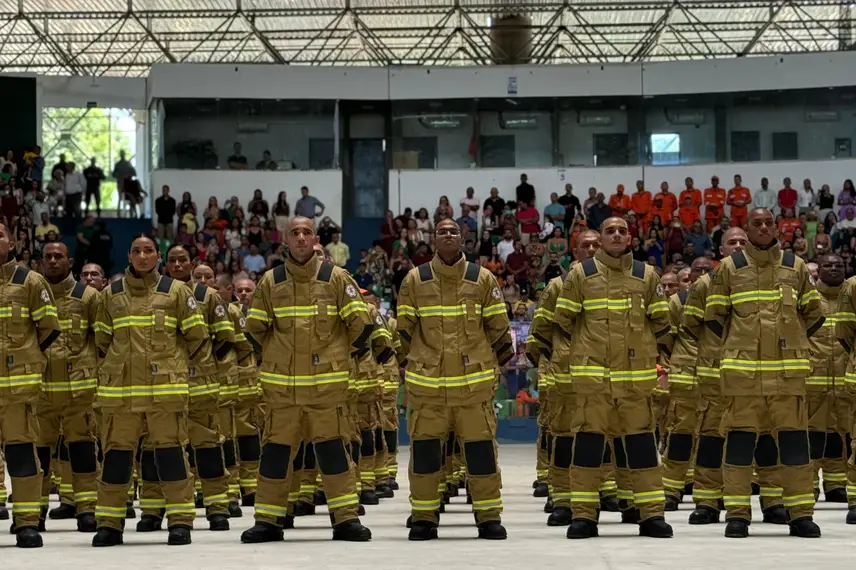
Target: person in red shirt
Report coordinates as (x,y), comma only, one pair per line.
(688,213)
(664,203)
(528,217)
(714,203)
(787,196)
(619,202)
(640,202)
(739,199)
(693,193)
(787,225)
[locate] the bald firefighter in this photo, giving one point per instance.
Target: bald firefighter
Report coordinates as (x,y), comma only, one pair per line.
(148,328)
(308,318)
(763,306)
(616,312)
(248,413)
(30,327)
(454,334)
(828,400)
(68,390)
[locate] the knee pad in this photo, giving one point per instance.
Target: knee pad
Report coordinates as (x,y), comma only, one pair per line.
(427,456)
(191,456)
(274,461)
(62,450)
(43,453)
(679,447)
(816,444)
(740,448)
(309,457)
(81,455)
(641,449)
(391,438)
(766,451)
(366,443)
(355,451)
(378,440)
(480,457)
(332,458)
(170,464)
(563,451)
(148,469)
(588,449)
(229,457)
(249,448)
(619,451)
(710,450)
(297,462)
(117,468)
(793,447)
(209,462)
(834,448)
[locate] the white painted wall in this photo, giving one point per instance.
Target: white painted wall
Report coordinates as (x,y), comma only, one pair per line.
(223,184)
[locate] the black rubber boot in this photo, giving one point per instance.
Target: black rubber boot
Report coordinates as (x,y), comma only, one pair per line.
(630,516)
(149,523)
(199,501)
(609,504)
(369,497)
(469,499)
(835,496)
(86,522)
(409,522)
(688,489)
(288,522)
(179,535)
(302,509)
(361,510)
(492,530)
(62,512)
(4,513)
(320,498)
(384,491)
(804,527)
(235,511)
(130,513)
(851,516)
(775,515)
(248,500)
(445,498)
(351,531)
(756,489)
(393,484)
(422,530)
(261,532)
(561,516)
(218,522)
(107,537)
(548,506)
(736,528)
(28,537)
(542,490)
(535,483)
(671,504)
(582,528)
(704,515)
(655,527)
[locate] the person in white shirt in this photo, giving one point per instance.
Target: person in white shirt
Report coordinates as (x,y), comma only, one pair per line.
(806,199)
(75,184)
(765,197)
(471,201)
(505,247)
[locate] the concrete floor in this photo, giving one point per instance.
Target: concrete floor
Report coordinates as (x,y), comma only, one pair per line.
(531,544)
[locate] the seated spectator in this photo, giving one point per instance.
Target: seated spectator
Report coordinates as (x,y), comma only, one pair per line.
(508,222)
(657,224)
(276,257)
(469,251)
(557,243)
(788,224)
(237,161)
(639,252)
(44,227)
(822,242)
(424,225)
(535,248)
(495,203)
(405,217)
(414,234)
(517,263)
(266,163)
(338,250)
(472,203)
(444,211)
(423,254)
(212,211)
(656,247)
(535,273)
(800,244)
(254,262)
(546,229)
(234,234)
(846,197)
(599,212)
(363,278)
(465,219)
(489,222)
(494,263)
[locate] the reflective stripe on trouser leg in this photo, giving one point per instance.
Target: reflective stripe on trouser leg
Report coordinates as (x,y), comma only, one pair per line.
(426,475)
(391,437)
(586,474)
(645,473)
(737,474)
(205,437)
(475,426)
(66,479)
(308,475)
(248,447)
(337,476)
(22,465)
(120,436)
(767,471)
(82,465)
(609,487)
(381,472)
(45,456)
(152,501)
(367,460)
(834,463)
(274,480)
(707,474)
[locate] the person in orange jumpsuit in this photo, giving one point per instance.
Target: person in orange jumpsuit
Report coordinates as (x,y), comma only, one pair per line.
(787,225)
(665,203)
(688,213)
(619,202)
(640,202)
(692,192)
(739,199)
(714,203)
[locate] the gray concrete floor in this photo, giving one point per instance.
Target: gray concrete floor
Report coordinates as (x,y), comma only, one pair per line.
(531,544)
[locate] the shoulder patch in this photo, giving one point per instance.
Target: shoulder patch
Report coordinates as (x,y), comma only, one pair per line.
(325,272)
(20,275)
(789,259)
(219,311)
(351,291)
(164,285)
(44,296)
(78,290)
(589,267)
(118,286)
(199,292)
(425,272)
(739,259)
(638,270)
(682,295)
(471,273)
(279,274)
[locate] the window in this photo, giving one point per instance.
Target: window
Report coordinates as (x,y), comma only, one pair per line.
(497,151)
(611,149)
(785,146)
(321,154)
(424,149)
(745,146)
(665,148)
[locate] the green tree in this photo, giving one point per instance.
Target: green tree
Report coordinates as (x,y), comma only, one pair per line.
(81,134)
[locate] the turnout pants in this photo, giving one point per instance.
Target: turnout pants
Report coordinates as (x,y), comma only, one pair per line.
(707,474)
(4,494)
(771,430)
(390,436)
(828,415)
(163,460)
(76,453)
(228,427)
(681,427)
(475,428)
(248,439)
(327,427)
(368,414)
(630,423)
(18,429)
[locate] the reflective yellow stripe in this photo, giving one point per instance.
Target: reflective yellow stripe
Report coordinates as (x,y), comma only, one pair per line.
(152,503)
(303,381)
(380,332)
(110,512)
(494,311)
(102,327)
(608,304)
(568,305)
(342,501)
(147,321)
(258,314)
(737,500)
(649,497)
(6,312)
(22,508)
(673,483)
(204,390)
(811,295)
(675,378)
(694,311)
(294,311)
(658,307)
(765,365)
(20,380)
(431,505)
(819,381)
(221,326)
(614,375)
(795,500)
(66,324)
(406,311)
(758,295)
(706,494)
(717,300)
(448,310)
(143,391)
(449,381)
(542,313)
(770,492)
(487,505)
(42,312)
(88,384)
(180,509)
(353,307)
(585,497)
(220,499)
(707,372)
(834,477)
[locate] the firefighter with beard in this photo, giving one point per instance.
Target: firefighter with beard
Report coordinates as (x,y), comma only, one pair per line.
(248,411)
(763,306)
(615,310)
(308,318)
(454,333)
(68,389)
(206,451)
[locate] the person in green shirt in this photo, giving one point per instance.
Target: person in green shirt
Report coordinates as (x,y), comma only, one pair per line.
(162,242)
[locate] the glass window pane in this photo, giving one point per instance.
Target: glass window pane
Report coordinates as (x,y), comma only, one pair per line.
(433,135)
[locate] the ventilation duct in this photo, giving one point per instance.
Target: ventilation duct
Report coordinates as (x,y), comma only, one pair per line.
(511,38)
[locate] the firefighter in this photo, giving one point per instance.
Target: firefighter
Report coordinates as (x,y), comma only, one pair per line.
(68,390)
(93,275)
(4,495)
(845,331)
(148,327)
(828,402)
(30,323)
(454,332)
(248,414)
(762,304)
(391,386)
(308,318)
(615,310)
